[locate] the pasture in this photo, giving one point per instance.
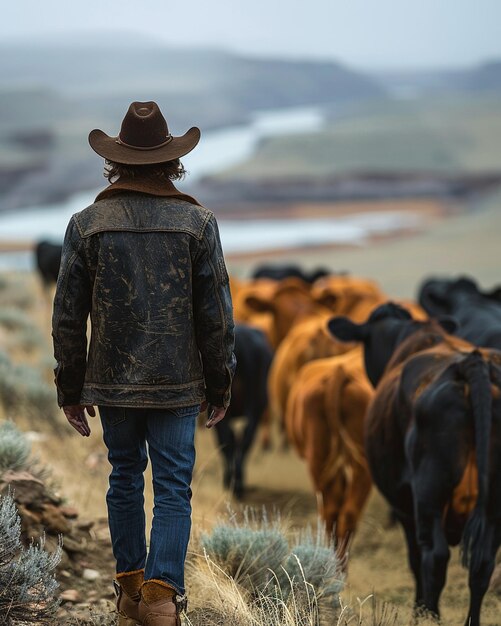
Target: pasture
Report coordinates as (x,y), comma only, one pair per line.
(278,479)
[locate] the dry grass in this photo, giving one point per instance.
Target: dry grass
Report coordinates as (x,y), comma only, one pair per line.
(219,599)
(378,560)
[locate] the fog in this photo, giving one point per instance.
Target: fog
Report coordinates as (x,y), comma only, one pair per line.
(363,33)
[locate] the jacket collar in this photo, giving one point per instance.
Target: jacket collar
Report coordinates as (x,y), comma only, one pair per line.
(151,187)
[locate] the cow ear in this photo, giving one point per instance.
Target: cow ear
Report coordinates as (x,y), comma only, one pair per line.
(449,324)
(344,329)
(494,294)
(260,305)
(294,282)
(327,299)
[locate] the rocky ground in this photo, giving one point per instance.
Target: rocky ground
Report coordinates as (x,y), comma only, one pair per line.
(86,567)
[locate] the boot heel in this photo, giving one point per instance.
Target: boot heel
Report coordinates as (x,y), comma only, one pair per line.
(126,621)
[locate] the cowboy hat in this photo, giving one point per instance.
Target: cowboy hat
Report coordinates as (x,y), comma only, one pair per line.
(144,138)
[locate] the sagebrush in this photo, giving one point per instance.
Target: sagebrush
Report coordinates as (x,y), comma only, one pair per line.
(15,448)
(27,583)
(273,576)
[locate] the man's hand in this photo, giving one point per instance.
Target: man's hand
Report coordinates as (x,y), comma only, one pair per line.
(75,414)
(216,414)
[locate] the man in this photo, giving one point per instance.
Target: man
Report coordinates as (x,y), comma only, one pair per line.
(145,261)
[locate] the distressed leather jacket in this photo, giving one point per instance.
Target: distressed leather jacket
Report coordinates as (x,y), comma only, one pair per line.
(150,272)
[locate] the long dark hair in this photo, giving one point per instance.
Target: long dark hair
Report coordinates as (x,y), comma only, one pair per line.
(170,170)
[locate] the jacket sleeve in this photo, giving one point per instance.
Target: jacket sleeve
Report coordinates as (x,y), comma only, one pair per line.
(72,305)
(213,313)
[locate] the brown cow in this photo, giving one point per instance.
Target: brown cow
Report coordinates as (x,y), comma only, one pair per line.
(356,297)
(292,300)
(259,288)
(299,314)
(325,422)
(306,341)
(309,339)
(288,301)
(348,295)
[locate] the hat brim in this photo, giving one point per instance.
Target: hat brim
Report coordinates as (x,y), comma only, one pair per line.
(110,149)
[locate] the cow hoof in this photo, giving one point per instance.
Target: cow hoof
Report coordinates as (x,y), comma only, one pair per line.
(266,445)
(227,479)
(239,492)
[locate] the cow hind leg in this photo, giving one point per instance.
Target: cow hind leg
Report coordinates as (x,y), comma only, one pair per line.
(266,444)
(242,448)
(434,557)
(354,498)
(249,432)
(431,490)
(432,486)
(437,457)
(227,445)
(413,554)
(332,502)
(479,579)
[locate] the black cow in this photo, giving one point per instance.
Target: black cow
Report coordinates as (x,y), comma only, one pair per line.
(434,421)
(248,399)
(279,272)
(478,313)
(48,260)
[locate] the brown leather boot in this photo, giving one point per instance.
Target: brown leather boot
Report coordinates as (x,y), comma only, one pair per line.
(159,605)
(127,588)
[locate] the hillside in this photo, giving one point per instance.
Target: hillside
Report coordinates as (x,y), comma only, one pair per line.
(206,87)
(52,94)
(90,72)
(447,135)
(483,78)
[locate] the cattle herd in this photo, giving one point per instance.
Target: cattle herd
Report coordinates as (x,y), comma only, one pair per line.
(403,394)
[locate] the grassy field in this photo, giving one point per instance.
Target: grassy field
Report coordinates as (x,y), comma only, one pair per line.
(453,134)
(277,480)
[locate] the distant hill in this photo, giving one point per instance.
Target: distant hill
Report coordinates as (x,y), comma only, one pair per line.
(481,79)
(53,92)
(485,78)
(212,86)
(446,135)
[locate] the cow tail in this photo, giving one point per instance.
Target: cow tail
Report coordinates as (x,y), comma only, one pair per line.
(343,450)
(475,372)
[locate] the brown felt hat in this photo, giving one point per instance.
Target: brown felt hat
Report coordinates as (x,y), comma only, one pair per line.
(144,138)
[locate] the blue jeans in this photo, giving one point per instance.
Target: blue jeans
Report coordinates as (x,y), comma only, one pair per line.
(170,435)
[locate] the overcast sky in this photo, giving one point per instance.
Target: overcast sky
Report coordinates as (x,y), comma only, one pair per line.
(362,33)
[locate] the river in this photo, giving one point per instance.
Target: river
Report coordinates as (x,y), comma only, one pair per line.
(218,150)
